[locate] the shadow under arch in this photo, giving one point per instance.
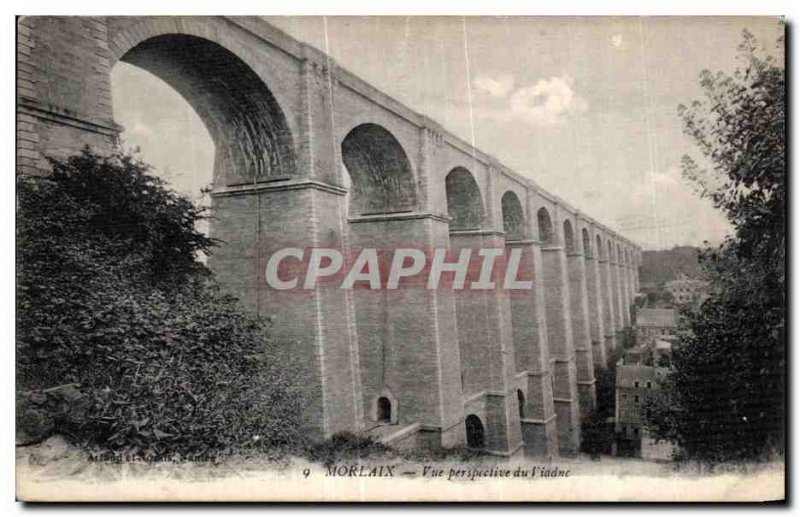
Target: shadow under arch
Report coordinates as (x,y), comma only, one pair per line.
(587,243)
(569,237)
(521,403)
(513,216)
(379,170)
(545,227)
(251,137)
(464,204)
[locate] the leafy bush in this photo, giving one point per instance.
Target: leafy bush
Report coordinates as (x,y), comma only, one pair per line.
(597,435)
(111,298)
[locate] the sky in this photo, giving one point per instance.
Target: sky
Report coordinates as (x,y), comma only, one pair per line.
(586,107)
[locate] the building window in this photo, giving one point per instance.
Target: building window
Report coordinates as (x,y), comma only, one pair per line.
(636,399)
(649,384)
(636,384)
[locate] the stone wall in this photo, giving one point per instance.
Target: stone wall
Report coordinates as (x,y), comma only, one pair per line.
(280,120)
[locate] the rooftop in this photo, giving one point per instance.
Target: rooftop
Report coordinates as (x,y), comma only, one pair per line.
(656,318)
(663,345)
(629,374)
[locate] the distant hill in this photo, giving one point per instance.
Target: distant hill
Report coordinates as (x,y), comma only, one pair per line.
(664,265)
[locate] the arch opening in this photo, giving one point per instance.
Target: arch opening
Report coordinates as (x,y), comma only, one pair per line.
(587,243)
(157,120)
(464,204)
(545,227)
(384,406)
(252,139)
(569,237)
(599,246)
(521,403)
(379,171)
(475,433)
(513,216)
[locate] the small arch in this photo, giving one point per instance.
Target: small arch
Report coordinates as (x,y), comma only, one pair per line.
(545,227)
(587,243)
(379,171)
(521,403)
(599,243)
(513,216)
(569,237)
(609,250)
(619,253)
(464,204)
(384,415)
(475,433)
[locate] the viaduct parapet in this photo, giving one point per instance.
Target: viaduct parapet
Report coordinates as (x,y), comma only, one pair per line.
(437,367)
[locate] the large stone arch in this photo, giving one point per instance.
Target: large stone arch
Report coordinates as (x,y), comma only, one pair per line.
(250,131)
(599,246)
(380,172)
(464,204)
(513,216)
(270,53)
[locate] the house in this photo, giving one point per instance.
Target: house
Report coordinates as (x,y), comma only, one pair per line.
(687,290)
(654,323)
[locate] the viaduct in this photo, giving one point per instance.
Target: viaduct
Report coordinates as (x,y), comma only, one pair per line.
(437,368)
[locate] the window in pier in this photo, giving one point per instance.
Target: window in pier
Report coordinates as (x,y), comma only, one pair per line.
(384,410)
(475,434)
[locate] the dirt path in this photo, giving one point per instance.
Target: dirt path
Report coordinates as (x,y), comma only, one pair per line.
(55,470)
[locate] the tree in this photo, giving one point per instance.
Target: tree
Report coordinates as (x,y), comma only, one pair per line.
(597,435)
(724,398)
(112,303)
